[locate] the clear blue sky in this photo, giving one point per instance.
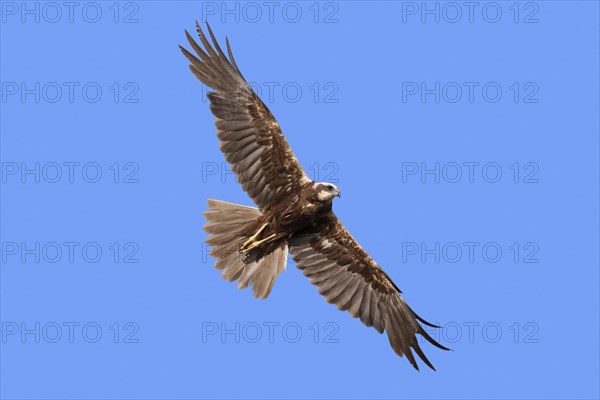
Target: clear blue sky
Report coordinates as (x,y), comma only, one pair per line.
(464,140)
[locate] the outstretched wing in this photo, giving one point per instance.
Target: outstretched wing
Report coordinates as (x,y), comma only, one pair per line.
(349,278)
(249,134)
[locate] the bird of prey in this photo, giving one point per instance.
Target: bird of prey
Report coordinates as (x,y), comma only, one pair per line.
(294,213)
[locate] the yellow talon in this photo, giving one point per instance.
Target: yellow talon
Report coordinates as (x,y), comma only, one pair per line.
(249,244)
(255,244)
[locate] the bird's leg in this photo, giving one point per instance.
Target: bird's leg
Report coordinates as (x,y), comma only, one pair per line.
(253,245)
(252,238)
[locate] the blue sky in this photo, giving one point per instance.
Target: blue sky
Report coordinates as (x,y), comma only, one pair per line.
(465,141)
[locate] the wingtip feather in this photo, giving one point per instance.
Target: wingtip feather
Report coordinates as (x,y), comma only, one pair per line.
(431,340)
(421,354)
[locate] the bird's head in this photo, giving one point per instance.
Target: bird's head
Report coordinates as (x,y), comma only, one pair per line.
(327,191)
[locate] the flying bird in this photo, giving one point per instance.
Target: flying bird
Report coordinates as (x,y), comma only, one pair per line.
(294,213)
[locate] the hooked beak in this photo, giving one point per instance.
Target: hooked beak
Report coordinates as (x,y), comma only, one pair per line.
(339,194)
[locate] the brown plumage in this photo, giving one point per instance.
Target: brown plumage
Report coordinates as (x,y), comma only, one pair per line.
(294,213)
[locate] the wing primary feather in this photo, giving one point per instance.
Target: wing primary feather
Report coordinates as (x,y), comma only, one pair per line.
(192,58)
(393,327)
(195,46)
(431,340)
(421,319)
(200,75)
(205,42)
(212,59)
(231,59)
(215,43)
(417,348)
(220,57)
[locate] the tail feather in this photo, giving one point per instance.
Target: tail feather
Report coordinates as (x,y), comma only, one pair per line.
(225,225)
(267,271)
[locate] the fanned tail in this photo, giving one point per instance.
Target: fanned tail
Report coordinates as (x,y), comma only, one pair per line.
(225,225)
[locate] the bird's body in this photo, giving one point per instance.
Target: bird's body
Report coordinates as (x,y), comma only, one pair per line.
(294,213)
